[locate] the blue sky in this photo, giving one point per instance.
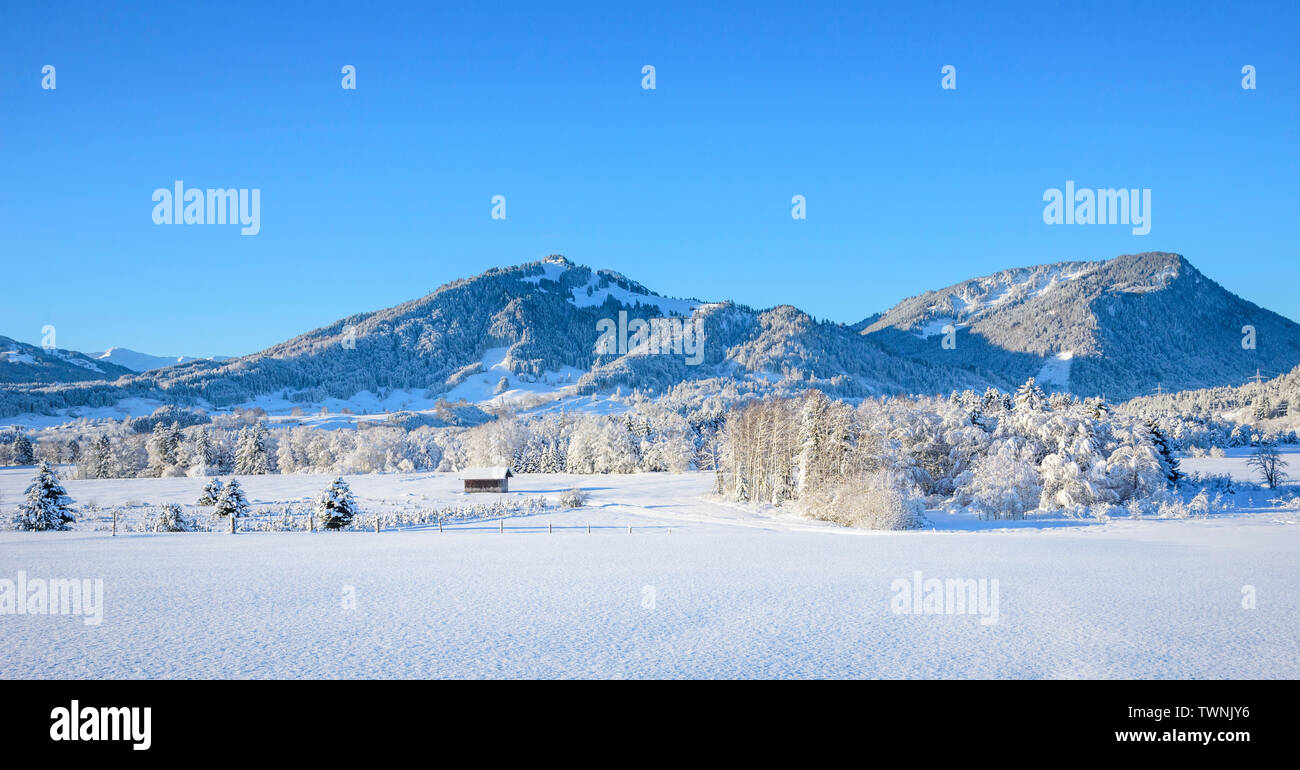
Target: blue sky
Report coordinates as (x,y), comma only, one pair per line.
(376,196)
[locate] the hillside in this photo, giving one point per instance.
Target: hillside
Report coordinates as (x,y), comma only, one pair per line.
(1119,327)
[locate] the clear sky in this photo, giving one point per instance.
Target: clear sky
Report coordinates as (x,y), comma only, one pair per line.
(376,196)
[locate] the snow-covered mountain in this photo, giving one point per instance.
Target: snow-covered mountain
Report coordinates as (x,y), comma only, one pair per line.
(144,362)
(31,364)
(1120,327)
(526,334)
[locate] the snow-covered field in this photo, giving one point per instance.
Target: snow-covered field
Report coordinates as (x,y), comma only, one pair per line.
(699,588)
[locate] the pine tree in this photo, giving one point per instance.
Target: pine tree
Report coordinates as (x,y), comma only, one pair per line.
(211,492)
(232,501)
(251,455)
(336,506)
(1167,459)
(46,505)
(1030,396)
(104,464)
(24,453)
(172,518)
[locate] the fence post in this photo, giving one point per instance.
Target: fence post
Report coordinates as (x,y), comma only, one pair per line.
(376,523)
(548,527)
(503,526)
(311,521)
(114,522)
(232,523)
(439,525)
(589,528)
(629,529)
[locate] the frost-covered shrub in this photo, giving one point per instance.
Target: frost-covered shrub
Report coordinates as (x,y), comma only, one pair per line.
(574,498)
(170,517)
(1172,509)
(867,502)
(1199,505)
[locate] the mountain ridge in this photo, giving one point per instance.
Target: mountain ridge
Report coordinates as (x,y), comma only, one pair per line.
(1116,327)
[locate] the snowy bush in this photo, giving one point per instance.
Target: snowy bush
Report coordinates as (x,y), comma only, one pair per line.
(875,502)
(170,517)
(1172,509)
(574,498)
(1199,505)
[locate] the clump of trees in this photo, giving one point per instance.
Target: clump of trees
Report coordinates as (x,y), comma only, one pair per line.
(880,463)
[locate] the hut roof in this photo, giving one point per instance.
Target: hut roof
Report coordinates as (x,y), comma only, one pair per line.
(493,473)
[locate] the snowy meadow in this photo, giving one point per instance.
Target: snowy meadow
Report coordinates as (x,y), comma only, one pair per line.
(655,576)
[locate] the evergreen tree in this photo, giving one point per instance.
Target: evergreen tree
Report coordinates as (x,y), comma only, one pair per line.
(46,505)
(24,453)
(232,502)
(1167,459)
(104,465)
(336,506)
(1030,396)
(251,455)
(211,492)
(172,518)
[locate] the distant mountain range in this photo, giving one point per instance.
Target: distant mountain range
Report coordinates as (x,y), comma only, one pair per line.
(1119,327)
(143,362)
(21,363)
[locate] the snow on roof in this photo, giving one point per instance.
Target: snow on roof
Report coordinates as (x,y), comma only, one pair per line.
(494,472)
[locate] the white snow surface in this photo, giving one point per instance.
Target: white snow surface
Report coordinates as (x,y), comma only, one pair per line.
(700,588)
(1056,371)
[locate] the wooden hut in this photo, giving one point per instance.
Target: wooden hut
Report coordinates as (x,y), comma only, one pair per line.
(495,479)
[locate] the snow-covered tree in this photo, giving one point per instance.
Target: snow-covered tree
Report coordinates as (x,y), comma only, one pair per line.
(211,492)
(45,505)
(1029,396)
(24,453)
(164,449)
(252,458)
(1268,461)
(232,502)
(336,505)
(1167,459)
(171,518)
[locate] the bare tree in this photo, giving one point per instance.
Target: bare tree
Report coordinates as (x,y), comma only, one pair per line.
(1268,461)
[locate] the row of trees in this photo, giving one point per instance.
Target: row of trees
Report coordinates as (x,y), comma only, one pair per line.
(46,506)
